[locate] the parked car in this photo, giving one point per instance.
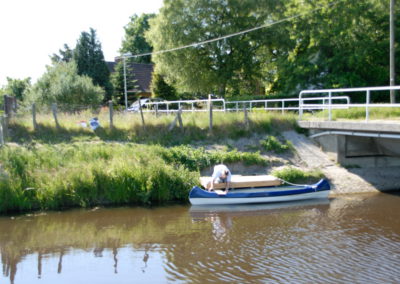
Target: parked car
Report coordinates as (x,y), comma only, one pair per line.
(145,104)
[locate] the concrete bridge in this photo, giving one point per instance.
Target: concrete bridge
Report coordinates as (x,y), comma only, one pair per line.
(361,144)
(356,143)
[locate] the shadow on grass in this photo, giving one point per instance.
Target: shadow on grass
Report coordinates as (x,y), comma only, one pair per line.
(150,134)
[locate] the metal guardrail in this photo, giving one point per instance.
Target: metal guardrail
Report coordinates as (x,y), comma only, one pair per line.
(319,103)
(329,92)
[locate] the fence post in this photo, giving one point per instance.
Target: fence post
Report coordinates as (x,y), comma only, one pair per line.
(54,110)
(180,118)
(368,100)
(330,107)
(246,117)
(210,109)
(141,113)
(111,110)
(34,117)
(1,131)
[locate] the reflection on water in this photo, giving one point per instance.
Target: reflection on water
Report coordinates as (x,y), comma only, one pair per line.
(347,239)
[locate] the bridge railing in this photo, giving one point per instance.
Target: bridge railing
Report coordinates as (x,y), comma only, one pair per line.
(290,104)
(330,96)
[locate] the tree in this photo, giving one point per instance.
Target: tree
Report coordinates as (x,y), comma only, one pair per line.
(17,87)
(135,41)
(161,89)
(61,84)
(229,64)
(66,55)
(341,45)
(89,58)
(117,79)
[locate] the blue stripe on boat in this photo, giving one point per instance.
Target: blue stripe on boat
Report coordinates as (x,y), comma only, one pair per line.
(322,185)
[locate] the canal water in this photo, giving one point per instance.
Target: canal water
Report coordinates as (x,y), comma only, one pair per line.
(351,239)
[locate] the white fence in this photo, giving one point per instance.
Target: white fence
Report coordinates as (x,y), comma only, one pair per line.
(329,95)
(292,104)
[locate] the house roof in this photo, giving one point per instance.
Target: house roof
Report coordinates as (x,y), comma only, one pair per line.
(141,72)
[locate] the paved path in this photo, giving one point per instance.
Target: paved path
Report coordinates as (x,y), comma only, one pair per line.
(342,180)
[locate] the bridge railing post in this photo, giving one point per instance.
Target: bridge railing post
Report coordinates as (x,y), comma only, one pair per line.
(330,107)
(368,99)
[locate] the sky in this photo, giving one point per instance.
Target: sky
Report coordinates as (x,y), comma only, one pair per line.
(32,30)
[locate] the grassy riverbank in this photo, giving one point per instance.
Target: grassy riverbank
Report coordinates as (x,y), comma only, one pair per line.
(127,127)
(54,168)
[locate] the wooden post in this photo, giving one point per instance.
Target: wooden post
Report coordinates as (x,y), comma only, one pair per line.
(246,118)
(1,131)
(54,110)
(210,109)
(4,123)
(34,117)
(180,118)
(111,109)
(141,113)
(157,110)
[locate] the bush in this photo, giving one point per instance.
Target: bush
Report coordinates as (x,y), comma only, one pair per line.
(295,175)
(271,143)
(62,84)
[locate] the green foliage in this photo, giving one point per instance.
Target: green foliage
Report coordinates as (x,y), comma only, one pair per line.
(89,58)
(161,89)
(271,143)
(17,88)
(296,175)
(135,41)
(87,174)
(227,65)
(62,84)
(117,79)
(325,49)
(66,55)
(197,159)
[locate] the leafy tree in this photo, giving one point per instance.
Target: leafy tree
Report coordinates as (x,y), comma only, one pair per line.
(117,79)
(66,55)
(161,89)
(230,64)
(135,41)
(341,45)
(89,58)
(61,84)
(16,87)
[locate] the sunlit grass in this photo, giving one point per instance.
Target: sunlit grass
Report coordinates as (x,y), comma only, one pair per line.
(358,113)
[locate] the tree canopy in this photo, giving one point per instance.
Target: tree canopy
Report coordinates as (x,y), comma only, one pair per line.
(61,84)
(16,87)
(89,59)
(135,41)
(303,44)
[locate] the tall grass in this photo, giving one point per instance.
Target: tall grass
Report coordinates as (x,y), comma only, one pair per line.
(88,174)
(128,127)
(292,174)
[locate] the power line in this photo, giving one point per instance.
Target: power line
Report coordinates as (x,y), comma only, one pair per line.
(231,35)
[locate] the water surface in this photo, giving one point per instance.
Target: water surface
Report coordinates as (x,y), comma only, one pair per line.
(353,239)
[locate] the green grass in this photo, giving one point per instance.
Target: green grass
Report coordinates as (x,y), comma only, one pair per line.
(128,127)
(271,143)
(295,175)
(87,174)
(375,113)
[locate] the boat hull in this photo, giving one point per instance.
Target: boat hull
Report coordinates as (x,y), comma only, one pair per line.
(198,196)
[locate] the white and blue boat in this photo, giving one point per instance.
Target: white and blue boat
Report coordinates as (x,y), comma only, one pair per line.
(199,196)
